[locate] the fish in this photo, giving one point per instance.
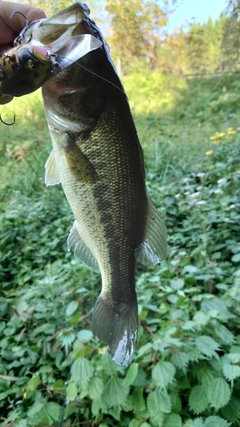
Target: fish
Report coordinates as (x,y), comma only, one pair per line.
(25,68)
(98,159)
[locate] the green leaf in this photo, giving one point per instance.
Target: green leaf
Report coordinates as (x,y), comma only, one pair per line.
(115,412)
(138,399)
(131,375)
(232,410)
(21,423)
(97,405)
(81,372)
(205,376)
(3,395)
(134,423)
(173,420)
(198,422)
(224,335)
(108,365)
(95,388)
(85,335)
(71,392)
(218,393)
(180,360)
(234,357)
(33,383)
(37,406)
(189,325)
(114,394)
(145,424)
(231,372)
(163,373)
(177,284)
(71,308)
(216,422)
(190,269)
(201,318)
(207,346)
(198,401)
(216,304)
(53,410)
(176,403)
(158,400)
(236,258)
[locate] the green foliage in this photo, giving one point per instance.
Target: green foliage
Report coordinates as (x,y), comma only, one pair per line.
(230,43)
(186,371)
(135,26)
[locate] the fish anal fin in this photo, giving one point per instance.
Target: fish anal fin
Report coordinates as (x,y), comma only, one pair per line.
(154,247)
(51,173)
(117,327)
(81,250)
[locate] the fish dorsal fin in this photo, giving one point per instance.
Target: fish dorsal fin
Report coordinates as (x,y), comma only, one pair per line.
(51,172)
(81,250)
(154,247)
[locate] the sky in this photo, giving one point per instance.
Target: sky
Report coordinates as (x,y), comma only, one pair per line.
(198,9)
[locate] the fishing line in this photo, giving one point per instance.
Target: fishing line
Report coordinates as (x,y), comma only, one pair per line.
(65,398)
(100,77)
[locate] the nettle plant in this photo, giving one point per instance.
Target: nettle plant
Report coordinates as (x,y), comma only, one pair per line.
(186,371)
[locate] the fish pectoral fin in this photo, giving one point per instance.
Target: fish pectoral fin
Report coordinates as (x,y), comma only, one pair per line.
(79,165)
(154,247)
(51,173)
(81,250)
(117,326)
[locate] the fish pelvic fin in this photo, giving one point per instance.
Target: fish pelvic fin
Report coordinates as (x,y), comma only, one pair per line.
(153,249)
(117,326)
(51,173)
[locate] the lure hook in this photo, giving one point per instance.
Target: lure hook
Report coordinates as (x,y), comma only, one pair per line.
(27,25)
(8,124)
(20,13)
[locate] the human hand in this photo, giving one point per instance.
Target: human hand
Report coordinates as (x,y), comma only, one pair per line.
(11,27)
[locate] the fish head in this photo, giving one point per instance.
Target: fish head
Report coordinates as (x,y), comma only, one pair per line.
(61,28)
(58,28)
(23,69)
(46,47)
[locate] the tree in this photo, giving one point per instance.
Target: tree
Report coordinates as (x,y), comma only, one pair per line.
(53,6)
(231,39)
(136,27)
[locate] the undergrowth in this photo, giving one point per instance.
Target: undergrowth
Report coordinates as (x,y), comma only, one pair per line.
(186,371)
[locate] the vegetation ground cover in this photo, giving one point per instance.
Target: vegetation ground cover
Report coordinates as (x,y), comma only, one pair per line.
(187,366)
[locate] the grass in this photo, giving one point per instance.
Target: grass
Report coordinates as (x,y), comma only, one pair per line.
(187,366)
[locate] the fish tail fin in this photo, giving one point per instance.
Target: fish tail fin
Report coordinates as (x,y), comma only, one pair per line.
(117,325)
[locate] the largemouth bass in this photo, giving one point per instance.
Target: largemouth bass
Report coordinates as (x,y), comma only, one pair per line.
(98,160)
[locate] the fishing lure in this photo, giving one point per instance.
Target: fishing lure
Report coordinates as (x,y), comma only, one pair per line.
(24,68)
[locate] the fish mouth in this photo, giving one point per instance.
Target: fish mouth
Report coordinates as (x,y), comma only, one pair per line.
(59,28)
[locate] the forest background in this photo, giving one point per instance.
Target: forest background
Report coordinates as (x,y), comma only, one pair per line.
(186,371)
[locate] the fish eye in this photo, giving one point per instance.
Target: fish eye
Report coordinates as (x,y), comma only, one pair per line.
(30,64)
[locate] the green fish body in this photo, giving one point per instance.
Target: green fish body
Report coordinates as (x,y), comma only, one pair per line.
(98,160)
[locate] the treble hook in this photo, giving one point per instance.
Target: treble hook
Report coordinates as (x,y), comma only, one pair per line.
(27,25)
(18,11)
(8,124)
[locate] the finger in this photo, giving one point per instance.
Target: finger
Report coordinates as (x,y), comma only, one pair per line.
(4,48)
(10,27)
